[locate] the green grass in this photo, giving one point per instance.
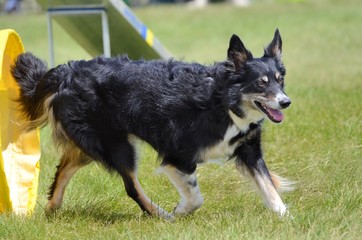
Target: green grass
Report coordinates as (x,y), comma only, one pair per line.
(319,144)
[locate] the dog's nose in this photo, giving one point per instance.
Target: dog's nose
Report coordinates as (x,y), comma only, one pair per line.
(285,103)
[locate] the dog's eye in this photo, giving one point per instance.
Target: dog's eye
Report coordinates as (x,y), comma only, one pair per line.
(263,82)
(281,80)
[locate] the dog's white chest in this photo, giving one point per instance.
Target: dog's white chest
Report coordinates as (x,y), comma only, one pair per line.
(225,148)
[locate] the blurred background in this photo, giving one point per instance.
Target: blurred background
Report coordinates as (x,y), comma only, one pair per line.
(173,22)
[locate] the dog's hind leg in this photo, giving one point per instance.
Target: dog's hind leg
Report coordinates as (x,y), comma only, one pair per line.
(72,160)
(186,184)
(121,157)
(135,191)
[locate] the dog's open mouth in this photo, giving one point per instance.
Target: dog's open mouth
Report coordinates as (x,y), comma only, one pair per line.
(274,115)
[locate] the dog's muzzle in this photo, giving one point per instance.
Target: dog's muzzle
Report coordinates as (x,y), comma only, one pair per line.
(285,102)
(272,111)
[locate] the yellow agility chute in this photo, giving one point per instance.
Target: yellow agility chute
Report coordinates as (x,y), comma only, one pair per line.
(20,152)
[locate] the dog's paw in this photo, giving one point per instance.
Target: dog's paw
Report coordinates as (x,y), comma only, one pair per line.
(288,215)
(284,213)
(184,208)
(51,208)
(169,217)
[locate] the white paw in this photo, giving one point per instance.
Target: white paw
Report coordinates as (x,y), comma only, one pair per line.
(284,213)
(187,208)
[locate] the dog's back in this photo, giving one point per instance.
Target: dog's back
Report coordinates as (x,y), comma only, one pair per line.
(158,101)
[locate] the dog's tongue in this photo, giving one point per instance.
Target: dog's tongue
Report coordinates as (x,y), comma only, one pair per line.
(275,115)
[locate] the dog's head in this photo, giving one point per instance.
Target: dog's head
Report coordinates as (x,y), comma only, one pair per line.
(262,79)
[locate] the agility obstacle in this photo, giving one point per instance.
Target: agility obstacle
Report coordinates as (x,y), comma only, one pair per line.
(20,152)
(107,27)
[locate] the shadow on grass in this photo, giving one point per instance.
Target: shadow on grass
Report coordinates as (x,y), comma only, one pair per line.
(98,213)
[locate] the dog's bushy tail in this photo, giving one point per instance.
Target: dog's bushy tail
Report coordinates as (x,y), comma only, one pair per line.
(36,87)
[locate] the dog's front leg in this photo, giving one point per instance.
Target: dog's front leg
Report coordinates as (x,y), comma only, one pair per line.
(263,180)
(250,162)
(186,184)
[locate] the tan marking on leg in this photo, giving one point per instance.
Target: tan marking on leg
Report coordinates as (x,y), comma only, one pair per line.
(150,207)
(270,195)
(73,159)
(267,188)
(282,184)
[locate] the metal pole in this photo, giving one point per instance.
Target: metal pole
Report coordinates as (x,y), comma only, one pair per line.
(50,40)
(79,11)
(105,33)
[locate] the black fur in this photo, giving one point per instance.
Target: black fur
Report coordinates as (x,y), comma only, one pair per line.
(178,108)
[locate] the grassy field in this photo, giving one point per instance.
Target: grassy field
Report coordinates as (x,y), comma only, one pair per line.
(319,144)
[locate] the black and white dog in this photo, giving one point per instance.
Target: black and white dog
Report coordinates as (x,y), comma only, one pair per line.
(188,112)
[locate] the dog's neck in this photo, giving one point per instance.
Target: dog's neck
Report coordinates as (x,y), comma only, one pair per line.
(244,123)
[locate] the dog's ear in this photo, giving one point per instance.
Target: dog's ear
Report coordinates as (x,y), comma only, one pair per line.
(237,53)
(274,49)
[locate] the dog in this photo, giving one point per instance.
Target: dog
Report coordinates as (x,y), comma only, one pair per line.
(189,113)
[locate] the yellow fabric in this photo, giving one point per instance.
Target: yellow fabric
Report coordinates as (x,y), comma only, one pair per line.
(20,152)
(5,204)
